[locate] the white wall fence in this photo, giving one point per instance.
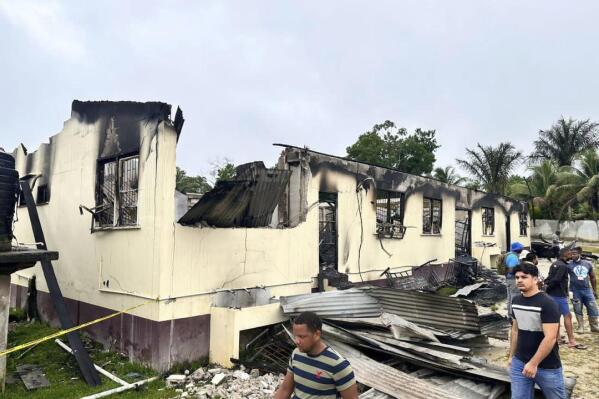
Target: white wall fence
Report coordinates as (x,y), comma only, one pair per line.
(580,230)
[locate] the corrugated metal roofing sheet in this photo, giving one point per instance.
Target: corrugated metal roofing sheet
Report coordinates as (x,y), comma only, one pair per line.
(347,303)
(247,201)
(427,309)
(386,379)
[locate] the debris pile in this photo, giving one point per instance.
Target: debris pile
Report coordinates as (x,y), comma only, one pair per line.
(207,383)
(407,343)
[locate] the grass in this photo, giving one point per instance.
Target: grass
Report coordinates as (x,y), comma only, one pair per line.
(63,373)
(447,290)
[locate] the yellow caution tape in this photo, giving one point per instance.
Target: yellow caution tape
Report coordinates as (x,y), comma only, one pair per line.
(70,330)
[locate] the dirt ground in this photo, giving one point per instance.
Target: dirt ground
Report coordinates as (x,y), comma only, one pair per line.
(582,364)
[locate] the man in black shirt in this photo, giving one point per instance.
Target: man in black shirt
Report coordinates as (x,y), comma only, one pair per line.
(534,354)
(557,288)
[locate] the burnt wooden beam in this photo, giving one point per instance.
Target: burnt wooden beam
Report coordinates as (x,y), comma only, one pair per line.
(85,364)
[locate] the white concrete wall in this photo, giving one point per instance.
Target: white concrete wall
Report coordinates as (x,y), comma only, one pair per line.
(130,258)
(580,230)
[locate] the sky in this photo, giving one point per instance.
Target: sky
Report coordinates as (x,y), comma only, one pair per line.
(309,73)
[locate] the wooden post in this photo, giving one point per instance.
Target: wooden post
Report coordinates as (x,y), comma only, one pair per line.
(85,364)
(4,309)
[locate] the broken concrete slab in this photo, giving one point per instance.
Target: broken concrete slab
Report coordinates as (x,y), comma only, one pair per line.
(33,376)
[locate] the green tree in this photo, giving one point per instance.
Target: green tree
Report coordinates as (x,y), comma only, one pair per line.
(392,147)
(225,172)
(539,188)
(579,184)
(491,166)
(564,140)
(191,184)
(448,175)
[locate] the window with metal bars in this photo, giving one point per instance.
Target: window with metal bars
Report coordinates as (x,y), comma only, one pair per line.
(117,192)
(431,216)
(523,223)
(389,214)
(488,221)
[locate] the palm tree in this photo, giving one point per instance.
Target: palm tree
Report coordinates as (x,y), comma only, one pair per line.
(539,188)
(448,175)
(580,184)
(565,139)
(491,166)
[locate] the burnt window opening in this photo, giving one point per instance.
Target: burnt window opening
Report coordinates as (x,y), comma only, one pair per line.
(327,232)
(431,216)
(488,221)
(390,214)
(117,192)
(523,216)
(43,194)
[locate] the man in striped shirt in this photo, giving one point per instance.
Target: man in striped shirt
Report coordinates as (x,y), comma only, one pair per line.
(315,370)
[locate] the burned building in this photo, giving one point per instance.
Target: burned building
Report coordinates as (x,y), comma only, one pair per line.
(106,197)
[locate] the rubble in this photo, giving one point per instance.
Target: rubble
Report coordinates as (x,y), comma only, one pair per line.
(213,383)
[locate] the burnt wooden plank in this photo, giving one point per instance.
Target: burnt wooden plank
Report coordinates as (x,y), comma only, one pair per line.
(85,364)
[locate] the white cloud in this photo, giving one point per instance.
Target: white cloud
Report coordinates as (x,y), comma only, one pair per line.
(47,25)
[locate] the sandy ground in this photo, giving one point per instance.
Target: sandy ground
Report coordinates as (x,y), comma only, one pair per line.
(582,364)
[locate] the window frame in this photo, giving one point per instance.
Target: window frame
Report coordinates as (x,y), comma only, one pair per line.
(523,223)
(392,226)
(431,215)
(118,192)
(485,220)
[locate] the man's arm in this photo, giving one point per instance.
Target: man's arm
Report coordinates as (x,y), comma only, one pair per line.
(513,341)
(547,344)
(286,388)
(350,393)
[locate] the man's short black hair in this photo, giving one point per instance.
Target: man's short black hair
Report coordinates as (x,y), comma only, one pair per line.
(530,257)
(527,268)
(311,320)
(577,249)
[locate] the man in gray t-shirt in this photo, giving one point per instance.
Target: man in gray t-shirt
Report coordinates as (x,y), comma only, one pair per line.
(583,285)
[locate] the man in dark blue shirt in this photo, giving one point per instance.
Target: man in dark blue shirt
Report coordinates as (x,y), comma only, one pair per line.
(534,354)
(583,285)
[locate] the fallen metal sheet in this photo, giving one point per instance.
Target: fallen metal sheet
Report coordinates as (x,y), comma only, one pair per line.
(468,389)
(428,309)
(330,304)
(247,201)
(398,326)
(467,290)
(469,367)
(385,378)
(374,394)
(495,325)
(32,376)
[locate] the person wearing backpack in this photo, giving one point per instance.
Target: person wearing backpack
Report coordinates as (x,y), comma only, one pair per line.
(511,260)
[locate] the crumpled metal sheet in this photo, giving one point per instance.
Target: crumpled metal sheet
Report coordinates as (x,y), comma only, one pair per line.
(248,200)
(346,303)
(428,309)
(385,378)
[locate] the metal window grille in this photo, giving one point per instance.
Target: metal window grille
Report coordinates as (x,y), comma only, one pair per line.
(431,216)
(128,184)
(106,193)
(523,223)
(488,221)
(389,214)
(117,192)
(327,219)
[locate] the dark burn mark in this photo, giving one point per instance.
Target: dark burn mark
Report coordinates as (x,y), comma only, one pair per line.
(121,123)
(394,180)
